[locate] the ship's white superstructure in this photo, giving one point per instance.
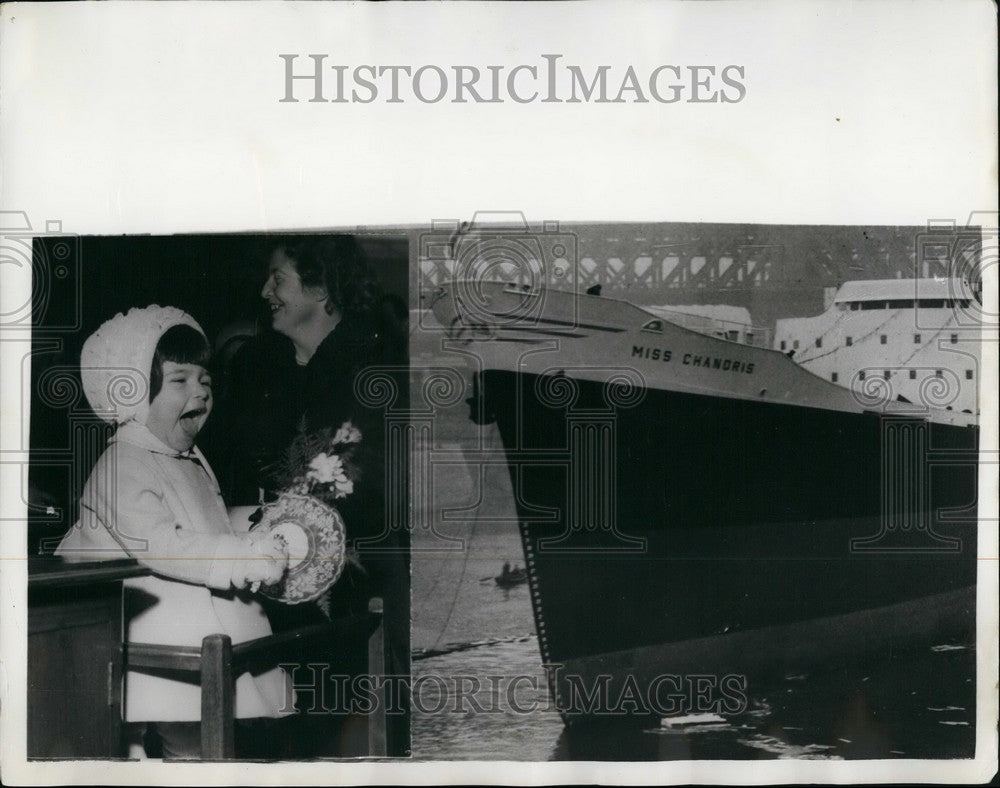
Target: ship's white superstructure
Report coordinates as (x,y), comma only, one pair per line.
(718,320)
(915,338)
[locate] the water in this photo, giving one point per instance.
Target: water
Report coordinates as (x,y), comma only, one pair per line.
(919,705)
(482,692)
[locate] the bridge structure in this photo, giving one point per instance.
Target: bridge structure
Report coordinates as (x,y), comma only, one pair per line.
(772,270)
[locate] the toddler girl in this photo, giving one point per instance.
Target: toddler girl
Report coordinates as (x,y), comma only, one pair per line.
(152,496)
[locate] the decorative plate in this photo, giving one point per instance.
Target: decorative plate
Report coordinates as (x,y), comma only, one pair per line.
(314,535)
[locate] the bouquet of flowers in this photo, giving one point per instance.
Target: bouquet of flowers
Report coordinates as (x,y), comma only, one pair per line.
(318,470)
(321,463)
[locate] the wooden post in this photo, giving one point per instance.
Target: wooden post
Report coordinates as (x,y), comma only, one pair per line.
(217,697)
(376,672)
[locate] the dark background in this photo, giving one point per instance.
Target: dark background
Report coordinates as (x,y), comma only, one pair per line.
(79,282)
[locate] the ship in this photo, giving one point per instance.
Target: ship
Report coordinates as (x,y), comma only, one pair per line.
(700,510)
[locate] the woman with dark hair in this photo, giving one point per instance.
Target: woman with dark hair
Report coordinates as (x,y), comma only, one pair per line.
(331,264)
(329,329)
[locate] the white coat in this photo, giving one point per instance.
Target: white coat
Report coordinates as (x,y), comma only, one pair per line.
(144,500)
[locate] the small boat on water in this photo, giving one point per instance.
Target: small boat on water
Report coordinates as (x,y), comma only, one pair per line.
(508,577)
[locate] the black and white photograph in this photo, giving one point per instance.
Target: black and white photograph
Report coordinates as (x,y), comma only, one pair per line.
(710,491)
(674,491)
(211,558)
(499,393)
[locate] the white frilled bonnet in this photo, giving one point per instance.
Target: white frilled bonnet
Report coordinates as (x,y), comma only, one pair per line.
(116,360)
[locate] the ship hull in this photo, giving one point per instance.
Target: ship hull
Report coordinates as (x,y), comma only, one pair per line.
(671,535)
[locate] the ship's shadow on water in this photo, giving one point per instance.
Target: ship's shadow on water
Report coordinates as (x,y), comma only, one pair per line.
(919,704)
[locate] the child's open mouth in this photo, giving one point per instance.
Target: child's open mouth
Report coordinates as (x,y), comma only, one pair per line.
(193,414)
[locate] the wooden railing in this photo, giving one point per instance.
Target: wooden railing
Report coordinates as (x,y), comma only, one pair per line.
(77,661)
(218,662)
